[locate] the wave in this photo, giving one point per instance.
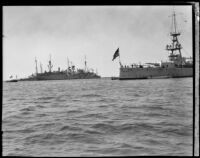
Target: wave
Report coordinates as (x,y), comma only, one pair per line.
(45,139)
(91,95)
(28,130)
(40,106)
(76,100)
(155,115)
(84,138)
(13,99)
(41,115)
(25,113)
(138,127)
(45,98)
(72,128)
(94,115)
(43,126)
(30,108)
(90,131)
(74,111)
(177,132)
(105,127)
(125,145)
(116,129)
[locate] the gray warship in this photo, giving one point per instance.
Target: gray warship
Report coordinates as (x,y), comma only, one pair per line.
(176,66)
(70,73)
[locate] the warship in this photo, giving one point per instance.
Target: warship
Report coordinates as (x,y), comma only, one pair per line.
(70,73)
(176,66)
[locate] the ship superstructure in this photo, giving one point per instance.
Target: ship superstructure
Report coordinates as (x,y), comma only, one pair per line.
(176,66)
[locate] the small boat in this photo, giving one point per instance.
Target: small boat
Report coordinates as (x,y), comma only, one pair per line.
(12,80)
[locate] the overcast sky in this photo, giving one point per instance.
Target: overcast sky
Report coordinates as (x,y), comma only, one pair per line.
(140,32)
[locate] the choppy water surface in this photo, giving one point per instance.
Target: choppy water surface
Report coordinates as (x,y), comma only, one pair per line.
(98,117)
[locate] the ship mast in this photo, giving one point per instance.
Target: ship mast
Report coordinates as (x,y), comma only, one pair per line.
(85,64)
(175,46)
(41,68)
(68,62)
(36,68)
(50,65)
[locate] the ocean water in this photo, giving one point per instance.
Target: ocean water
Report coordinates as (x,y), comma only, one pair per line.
(98,117)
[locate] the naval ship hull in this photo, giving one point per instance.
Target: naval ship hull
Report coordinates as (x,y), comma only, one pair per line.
(148,73)
(60,76)
(64,77)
